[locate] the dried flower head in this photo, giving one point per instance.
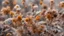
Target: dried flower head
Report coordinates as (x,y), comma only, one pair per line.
(8,34)
(16,6)
(11,13)
(61,4)
(54,13)
(19,17)
(37,18)
(51,4)
(5,11)
(41,2)
(44,6)
(42,26)
(14,2)
(35,29)
(49,16)
(27,19)
(8,8)
(6,2)
(23,2)
(14,20)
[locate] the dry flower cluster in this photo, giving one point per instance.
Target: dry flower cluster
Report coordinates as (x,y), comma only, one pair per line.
(32,19)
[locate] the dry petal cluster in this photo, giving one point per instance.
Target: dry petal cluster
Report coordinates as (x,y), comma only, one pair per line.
(32,18)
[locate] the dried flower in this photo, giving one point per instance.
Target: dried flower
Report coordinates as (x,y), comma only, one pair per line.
(42,26)
(61,4)
(54,13)
(41,2)
(44,6)
(8,34)
(27,19)
(19,17)
(49,16)
(6,2)
(37,18)
(14,20)
(23,2)
(12,13)
(5,11)
(14,2)
(51,3)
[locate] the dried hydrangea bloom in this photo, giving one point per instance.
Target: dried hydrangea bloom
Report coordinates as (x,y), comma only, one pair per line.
(37,18)
(61,4)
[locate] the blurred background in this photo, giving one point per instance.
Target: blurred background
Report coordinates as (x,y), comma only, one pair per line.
(28,1)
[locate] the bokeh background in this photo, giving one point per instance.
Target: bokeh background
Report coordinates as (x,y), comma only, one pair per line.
(28,1)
